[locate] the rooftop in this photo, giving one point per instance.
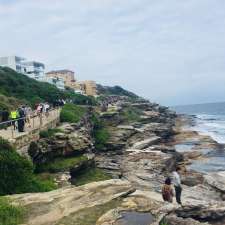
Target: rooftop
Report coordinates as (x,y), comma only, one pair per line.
(60,71)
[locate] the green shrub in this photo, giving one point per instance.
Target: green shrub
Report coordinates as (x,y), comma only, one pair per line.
(100,133)
(130,114)
(91,175)
(17,173)
(42,183)
(49,133)
(116,90)
(101,137)
(10,214)
(72,113)
(60,164)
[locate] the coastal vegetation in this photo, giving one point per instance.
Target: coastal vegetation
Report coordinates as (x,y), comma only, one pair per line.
(90,175)
(10,214)
(16,89)
(116,90)
(131,114)
(61,164)
(72,113)
(100,132)
(49,133)
(17,173)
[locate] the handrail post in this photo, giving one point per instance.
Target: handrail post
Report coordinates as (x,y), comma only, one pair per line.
(33,121)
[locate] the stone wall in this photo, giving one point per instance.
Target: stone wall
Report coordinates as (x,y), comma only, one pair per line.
(22,142)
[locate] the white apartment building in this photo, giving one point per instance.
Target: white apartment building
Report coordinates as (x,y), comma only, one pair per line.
(35,70)
(58,82)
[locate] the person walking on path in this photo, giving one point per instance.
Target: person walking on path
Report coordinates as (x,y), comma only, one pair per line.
(13,116)
(28,114)
(21,121)
(167,191)
(5,118)
(177,184)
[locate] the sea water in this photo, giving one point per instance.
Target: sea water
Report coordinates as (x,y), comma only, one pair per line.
(209,119)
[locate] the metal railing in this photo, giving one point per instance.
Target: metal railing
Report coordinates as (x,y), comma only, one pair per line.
(35,121)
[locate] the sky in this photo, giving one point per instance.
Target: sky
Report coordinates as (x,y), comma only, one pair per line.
(169,51)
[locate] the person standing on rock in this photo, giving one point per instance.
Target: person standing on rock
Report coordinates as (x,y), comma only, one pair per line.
(167,191)
(177,185)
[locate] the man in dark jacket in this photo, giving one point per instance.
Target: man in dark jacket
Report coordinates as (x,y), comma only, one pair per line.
(5,117)
(21,121)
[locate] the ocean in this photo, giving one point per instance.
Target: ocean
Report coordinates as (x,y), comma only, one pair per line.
(208,119)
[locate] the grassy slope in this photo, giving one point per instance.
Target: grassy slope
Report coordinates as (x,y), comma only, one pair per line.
(116,90)
(17,88)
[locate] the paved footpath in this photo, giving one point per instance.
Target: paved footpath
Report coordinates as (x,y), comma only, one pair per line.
(36,122)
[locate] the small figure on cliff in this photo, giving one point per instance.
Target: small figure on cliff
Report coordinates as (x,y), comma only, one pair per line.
(167,191)
(177,184)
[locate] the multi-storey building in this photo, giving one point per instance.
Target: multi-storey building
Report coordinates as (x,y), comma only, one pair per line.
(13,62)
(90,88)
(35,70)
(58,82)
(67,75)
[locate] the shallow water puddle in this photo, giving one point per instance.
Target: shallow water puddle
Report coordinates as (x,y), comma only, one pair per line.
(185,147)
(134,218)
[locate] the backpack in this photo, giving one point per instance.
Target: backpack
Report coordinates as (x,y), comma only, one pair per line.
(166,193)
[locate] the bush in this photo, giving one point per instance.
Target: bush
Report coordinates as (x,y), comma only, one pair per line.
(100,133)
(130,114)
(10,214)
(60,164)
(72,113)
(17,173)
(42,184)
(101,137)
(49,133)
(90,175)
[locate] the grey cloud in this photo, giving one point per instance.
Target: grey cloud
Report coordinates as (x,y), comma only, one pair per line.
(169,51)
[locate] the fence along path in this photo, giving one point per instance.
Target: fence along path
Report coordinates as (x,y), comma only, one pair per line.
(36,122)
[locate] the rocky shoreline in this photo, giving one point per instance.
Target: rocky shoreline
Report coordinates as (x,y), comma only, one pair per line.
(142,149)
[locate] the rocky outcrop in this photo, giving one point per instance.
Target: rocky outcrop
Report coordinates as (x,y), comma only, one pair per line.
(71,139)
(175,220)
(71,203)
(216,181)
(140,152)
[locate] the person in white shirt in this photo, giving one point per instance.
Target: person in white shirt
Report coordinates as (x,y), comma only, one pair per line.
(177,185)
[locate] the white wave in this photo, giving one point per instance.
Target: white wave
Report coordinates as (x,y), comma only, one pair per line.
(211,125)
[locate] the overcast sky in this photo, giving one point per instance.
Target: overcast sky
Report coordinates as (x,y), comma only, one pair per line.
(170,51)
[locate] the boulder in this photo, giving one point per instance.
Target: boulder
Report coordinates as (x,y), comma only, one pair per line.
(216,180)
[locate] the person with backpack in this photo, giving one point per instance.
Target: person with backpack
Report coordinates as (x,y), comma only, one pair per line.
(177,184)
(167,191)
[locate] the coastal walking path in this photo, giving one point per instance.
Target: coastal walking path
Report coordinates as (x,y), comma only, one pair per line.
(36,122)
